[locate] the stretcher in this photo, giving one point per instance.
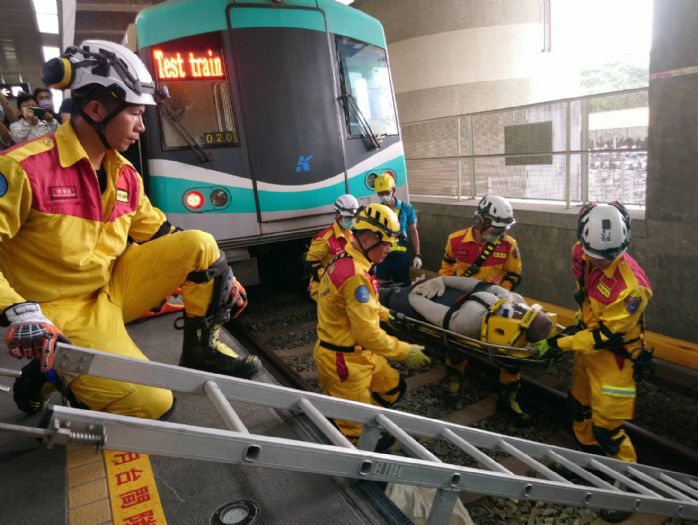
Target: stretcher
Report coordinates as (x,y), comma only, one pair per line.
(407,323)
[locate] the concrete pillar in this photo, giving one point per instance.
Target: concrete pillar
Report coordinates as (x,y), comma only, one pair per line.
(670,252)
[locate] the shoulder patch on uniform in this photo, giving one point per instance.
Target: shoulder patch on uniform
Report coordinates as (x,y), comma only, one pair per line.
(632,304)
(362,294)
(3,185)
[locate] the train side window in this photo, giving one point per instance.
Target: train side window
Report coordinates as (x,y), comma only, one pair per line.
(365,76)
(199,108)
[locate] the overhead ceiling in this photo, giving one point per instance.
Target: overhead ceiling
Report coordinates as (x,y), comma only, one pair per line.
(21,55)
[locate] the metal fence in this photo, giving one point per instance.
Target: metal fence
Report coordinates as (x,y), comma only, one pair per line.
(586,148)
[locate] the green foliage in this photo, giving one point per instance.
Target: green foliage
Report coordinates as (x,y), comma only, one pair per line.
(614,76)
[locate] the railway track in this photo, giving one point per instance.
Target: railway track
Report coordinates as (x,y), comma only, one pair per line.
(279,326)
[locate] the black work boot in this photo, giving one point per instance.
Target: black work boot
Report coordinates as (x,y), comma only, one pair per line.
(203,350)
(614,516)
(508,405)
(454,377)
(31,389)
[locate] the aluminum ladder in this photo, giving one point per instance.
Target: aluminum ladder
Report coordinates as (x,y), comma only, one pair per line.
(634,487)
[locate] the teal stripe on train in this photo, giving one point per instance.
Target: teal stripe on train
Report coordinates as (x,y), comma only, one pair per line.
(167,193)
(172,20)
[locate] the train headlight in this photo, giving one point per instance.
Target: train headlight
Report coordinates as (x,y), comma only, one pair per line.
(193,200)
(220,198)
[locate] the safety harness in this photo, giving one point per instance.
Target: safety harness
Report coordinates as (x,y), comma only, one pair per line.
(475,267)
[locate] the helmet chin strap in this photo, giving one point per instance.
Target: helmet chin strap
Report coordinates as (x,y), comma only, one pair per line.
(365,250)
(100,127)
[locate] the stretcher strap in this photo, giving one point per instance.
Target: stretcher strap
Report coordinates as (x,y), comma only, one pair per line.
(467,296)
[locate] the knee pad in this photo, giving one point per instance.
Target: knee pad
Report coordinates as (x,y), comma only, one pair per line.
(394,393)
(578,411)
(219,309)
(609,440)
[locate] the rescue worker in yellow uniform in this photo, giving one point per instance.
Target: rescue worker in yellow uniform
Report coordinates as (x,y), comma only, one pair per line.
(69,204)
(613,293)
(487,253)
(352,349)
(331,241)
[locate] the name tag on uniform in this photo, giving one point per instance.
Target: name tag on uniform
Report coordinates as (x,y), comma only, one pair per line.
(121,195)
(63,192)
(500,255)
(603,289)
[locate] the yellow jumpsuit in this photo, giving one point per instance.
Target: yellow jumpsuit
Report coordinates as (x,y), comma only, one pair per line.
(602,382)
(65,245)
(349,316)
(502,267)
(325,245)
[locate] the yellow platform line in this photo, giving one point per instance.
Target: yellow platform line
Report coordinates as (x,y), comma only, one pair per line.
(111,487)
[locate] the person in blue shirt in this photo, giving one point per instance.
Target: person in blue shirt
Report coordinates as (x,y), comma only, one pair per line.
(396,266)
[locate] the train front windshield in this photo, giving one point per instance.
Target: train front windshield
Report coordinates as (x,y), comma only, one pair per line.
(366,77)
(199,107)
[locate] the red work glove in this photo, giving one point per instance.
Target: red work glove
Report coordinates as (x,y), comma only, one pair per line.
(31,335)
(238,298)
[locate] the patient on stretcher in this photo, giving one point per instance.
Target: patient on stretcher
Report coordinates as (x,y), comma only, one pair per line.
(473,308)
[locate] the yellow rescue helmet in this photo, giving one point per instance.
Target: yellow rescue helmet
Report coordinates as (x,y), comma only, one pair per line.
(379,219)
(384,182)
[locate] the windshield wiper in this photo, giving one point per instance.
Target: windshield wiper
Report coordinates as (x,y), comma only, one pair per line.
(373,139)
(162,97)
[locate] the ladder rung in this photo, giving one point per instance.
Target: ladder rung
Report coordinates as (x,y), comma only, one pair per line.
(580,471)
(658,484)
(408,441)
(623,479)
(474,452)
(226,411)
(8,372)
(529,461)
(678,484)
(442,507)
(327,428)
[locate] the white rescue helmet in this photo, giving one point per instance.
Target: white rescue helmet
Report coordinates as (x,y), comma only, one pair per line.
(346,205)
(494,211)
(604,230)
(102,63)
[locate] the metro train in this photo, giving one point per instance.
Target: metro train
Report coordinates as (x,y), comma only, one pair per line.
(269,110)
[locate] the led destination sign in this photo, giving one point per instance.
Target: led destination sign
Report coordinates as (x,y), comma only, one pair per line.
(187,65)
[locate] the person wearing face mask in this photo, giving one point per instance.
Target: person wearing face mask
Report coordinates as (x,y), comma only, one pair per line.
(30,125)
(331,241)
(487,253)
(396,267)
(352,350)
(44,98)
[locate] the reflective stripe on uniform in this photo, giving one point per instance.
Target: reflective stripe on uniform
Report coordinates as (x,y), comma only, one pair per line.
(618,391)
